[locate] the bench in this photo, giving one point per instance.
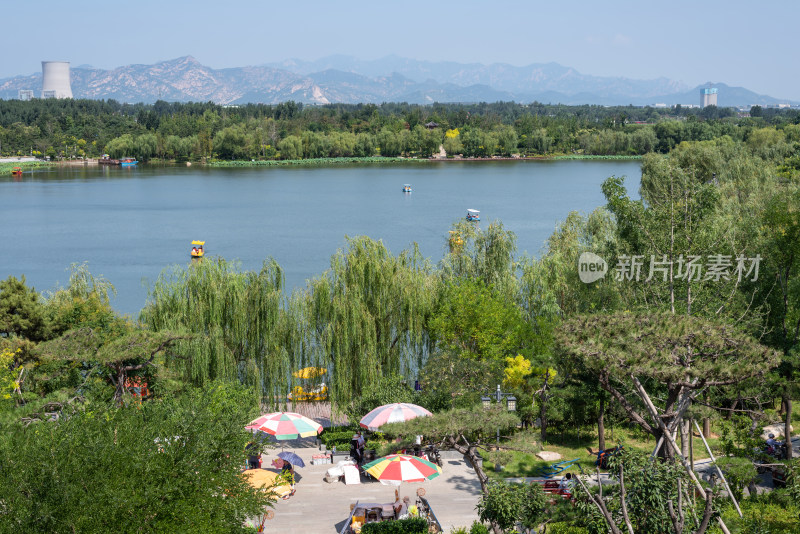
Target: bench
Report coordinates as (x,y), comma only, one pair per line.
(553,487)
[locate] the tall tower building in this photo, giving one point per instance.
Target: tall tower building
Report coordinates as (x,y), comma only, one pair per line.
(55,79)
(708,96)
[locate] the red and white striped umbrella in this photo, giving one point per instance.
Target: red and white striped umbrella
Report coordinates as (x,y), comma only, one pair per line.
(286,425)
(392,413)
(397,468)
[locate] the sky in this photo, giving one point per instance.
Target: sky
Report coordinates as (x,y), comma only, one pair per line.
(740,43)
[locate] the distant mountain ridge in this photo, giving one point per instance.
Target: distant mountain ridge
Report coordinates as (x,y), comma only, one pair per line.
(344,79)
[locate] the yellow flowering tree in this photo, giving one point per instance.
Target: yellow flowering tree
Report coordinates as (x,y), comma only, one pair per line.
(516,372)
(9,373)
(452,142)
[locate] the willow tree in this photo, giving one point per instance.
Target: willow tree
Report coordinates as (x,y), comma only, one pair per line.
(678,356)
(366,316)
(236,321)
(551,288)
(483,254)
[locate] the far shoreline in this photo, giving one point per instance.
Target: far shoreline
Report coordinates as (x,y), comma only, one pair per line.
(387,160)
(28,165)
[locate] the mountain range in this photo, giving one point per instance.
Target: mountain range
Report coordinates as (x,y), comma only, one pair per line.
(344,79)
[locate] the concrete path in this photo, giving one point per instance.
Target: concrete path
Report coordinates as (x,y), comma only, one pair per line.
(319,507)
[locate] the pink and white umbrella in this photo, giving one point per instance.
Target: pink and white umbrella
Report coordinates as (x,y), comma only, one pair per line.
(286,425)
(392,413)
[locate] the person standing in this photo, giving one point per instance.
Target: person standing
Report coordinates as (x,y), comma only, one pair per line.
(362,444)
(253,455)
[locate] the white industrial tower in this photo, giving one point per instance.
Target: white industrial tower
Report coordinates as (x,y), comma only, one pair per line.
(708,96)
(55,79)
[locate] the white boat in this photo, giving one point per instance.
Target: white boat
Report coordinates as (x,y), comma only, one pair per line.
(406,188)
(473,215)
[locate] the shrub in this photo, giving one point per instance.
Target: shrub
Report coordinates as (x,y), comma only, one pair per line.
(415,525)
(565,528)
(740,473)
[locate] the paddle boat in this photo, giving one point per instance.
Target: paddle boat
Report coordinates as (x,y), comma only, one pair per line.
(473,215)
(406,188)
(16,171)
(313,393)
(197,249)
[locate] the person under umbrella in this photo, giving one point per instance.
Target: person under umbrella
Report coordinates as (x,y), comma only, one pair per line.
(253,455)
(357,445)
(286,462)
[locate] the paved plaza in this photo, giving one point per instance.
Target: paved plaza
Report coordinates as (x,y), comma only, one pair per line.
(320,507)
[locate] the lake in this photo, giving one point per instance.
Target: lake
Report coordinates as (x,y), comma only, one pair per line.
(129,224)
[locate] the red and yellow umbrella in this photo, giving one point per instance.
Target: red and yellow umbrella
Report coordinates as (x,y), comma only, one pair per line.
(397,468)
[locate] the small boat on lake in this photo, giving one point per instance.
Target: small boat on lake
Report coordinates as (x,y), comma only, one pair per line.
(473,215)
(16,171)
(197,249)
(123,162)
(406,188)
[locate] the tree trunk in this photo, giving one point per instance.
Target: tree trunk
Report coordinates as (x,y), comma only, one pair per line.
(685,436)
(706,427)
(601,427)
(787,426)
(543,407)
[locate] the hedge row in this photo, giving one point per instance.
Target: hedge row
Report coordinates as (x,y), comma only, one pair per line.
(414,525)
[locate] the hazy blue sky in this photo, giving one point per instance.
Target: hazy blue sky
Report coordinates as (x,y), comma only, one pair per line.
(745,43)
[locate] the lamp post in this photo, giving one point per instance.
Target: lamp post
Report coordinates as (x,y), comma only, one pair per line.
(498,396)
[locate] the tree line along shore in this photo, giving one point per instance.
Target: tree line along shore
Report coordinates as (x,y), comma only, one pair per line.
(72,129)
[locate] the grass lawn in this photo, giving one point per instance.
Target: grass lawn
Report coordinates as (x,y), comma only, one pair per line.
(527,464)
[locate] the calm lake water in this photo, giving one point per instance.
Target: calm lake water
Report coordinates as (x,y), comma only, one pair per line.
(129,224)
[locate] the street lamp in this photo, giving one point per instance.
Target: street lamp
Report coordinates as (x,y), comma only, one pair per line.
(498,396)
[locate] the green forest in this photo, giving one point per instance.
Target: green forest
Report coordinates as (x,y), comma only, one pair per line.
(696,319)
(70,129)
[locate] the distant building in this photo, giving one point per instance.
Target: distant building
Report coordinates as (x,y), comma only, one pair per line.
(708,96)
(55,79)
(25,94)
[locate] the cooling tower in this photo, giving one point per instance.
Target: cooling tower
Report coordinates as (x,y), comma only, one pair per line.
(55,79)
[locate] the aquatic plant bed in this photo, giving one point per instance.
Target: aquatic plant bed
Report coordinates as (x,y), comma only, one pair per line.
(6,167)
(591,156)
(314,162)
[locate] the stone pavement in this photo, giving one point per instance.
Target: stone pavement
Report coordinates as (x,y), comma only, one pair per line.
(319,507)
